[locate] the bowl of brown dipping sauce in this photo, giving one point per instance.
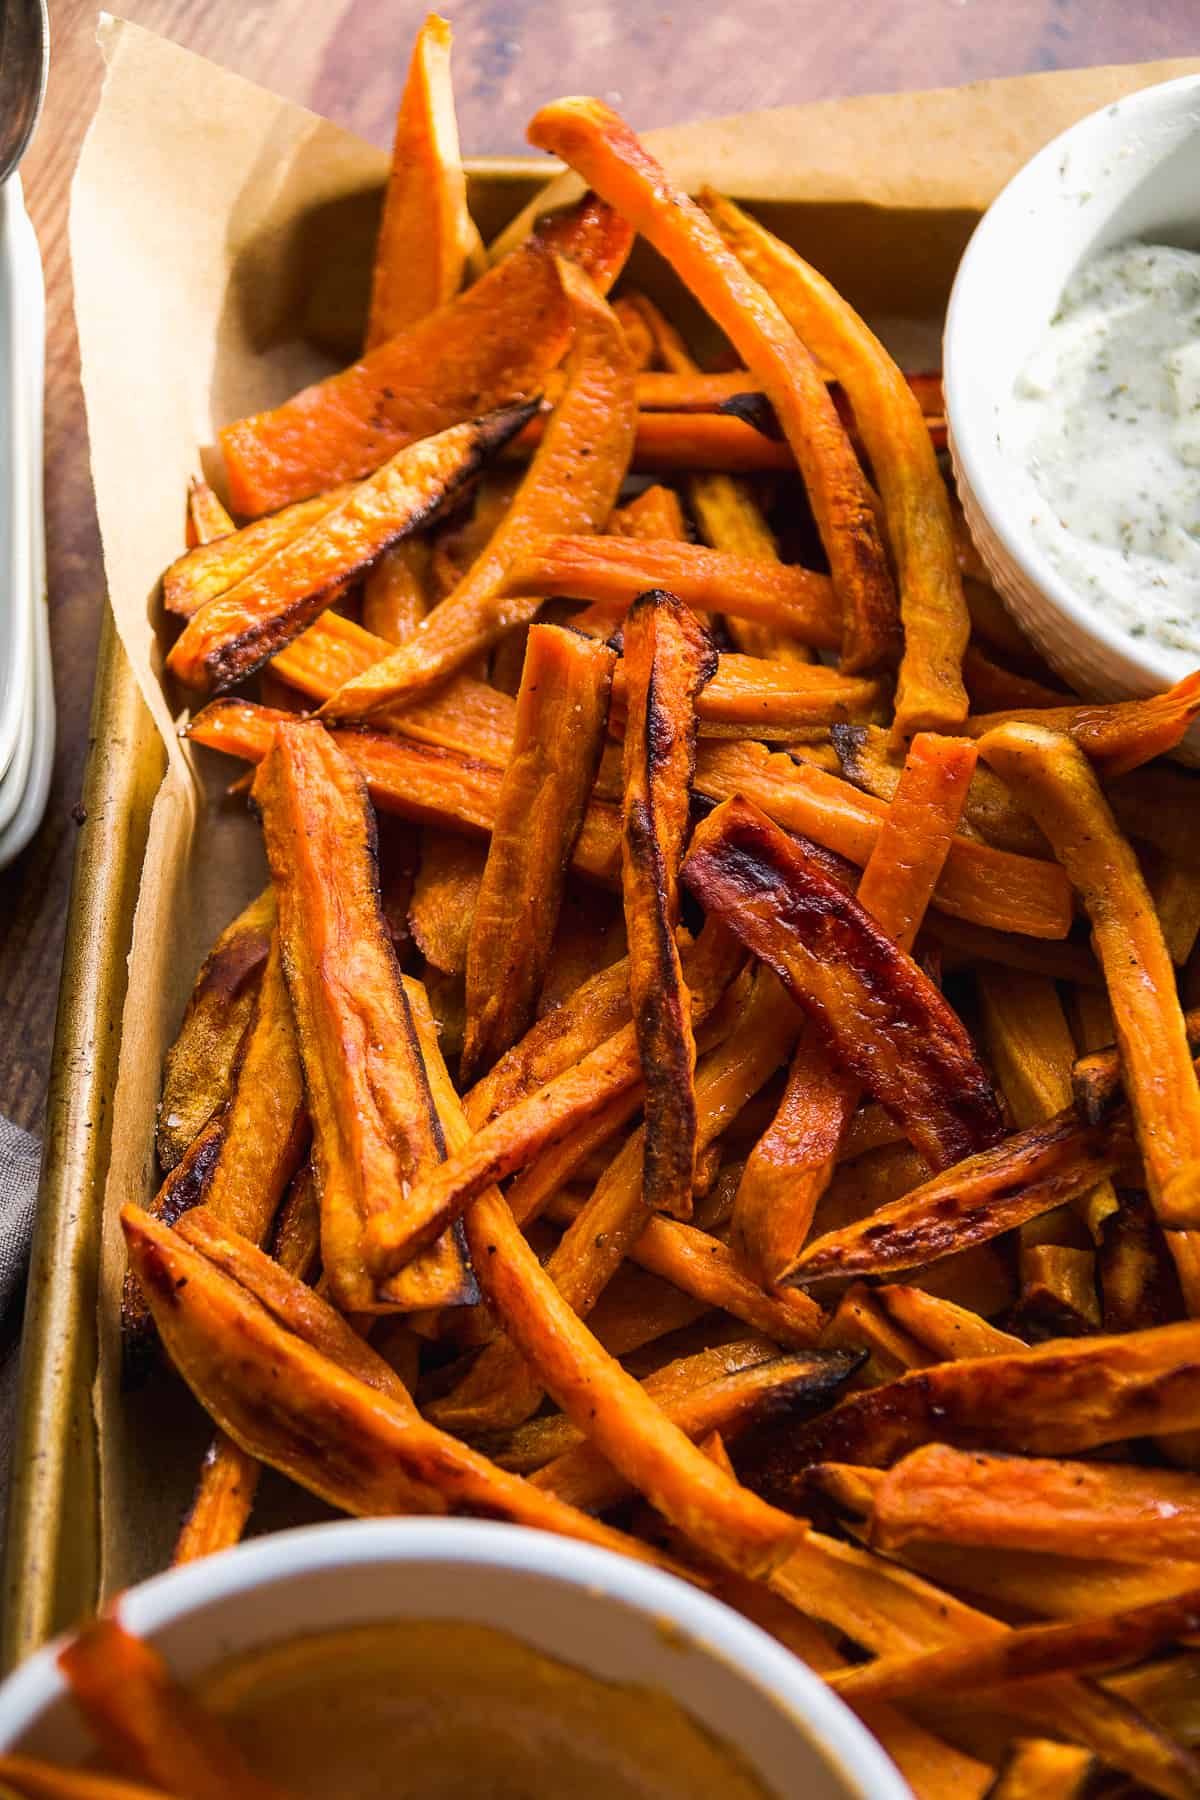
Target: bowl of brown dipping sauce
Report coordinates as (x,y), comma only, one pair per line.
(446,1659)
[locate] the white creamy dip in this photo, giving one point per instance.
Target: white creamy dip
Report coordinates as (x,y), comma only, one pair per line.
(1107,420)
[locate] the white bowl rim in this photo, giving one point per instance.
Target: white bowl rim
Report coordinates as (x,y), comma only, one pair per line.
(1144,667)
(713,1627)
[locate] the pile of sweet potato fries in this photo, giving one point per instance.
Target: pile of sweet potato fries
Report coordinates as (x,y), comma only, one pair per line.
(735,1105)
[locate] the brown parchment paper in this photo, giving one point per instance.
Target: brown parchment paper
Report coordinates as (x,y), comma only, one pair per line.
(204,212)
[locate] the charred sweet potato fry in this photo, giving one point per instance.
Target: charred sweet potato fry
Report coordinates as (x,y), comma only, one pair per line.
(1060,1397)
(1098,1079)
(363,1447)
(985,886)
(1054,780)
(242,628)
(850,977)
(372,1118)
(1115,737)
(510,1140)
(930,692)
(610,571)
(207,519)
(147,1724)
(570,486)
(562,710)
(668,659)
(444,894)
(593,140)
(425,233)
(988,1193)
(1072,1509)
(722,1518)
(484,348)
(726,1404)
(199,1064)
(790,1166)
(1081,1646)
(213,566)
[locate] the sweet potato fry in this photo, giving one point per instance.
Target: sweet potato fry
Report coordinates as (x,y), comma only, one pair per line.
(950,1333)
(610,571)
(638,336)
(668,659)
(727,1404)
(480,350)
(1098,1079)
(891,1612)
(1115,737)
(752,698)
(224,1496)
(396,592)
(1082,1646)
(985,886)
(850,977)
(418,781)
(1053,779)
(986,1194)
(961,944)
(713,1510)
(199,1064)
(993,688)
(207,519)
(498,1392)
(570,486)
(1073,1509)
(672,443)
(1175,890)
(730,519)
(242,628)
(860,1324)
(213,566)
(444,894)
(1057,1398)
(593,140)
(654,513)
(790,1166)
(372,1119)
(425,233)
(28,1779)
(361,1446)
(930,692)
(511,1140)
(562,709)
(149,1726)
(1040,1769)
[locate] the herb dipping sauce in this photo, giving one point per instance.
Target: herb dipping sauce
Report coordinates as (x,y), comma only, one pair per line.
(1106,414)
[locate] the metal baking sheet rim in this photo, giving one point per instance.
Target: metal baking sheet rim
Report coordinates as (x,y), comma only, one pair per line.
(51,1563)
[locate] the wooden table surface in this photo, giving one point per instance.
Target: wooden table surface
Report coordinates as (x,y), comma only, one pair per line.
(658,63)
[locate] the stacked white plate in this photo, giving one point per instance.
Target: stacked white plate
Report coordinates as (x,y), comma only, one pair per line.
(26,689)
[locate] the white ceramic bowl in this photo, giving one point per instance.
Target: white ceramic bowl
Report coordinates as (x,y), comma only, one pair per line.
(586,1606)
(1129,171)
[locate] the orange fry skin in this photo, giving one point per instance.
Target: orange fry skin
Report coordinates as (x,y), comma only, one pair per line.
(562,710)
(570,486)
(595,141)
(425,233)
(791,1165)
(930,692)
(372,1119)
(1050,774)
(850,977)
(483,348)
(1115,736)
(668,659)
(241,629)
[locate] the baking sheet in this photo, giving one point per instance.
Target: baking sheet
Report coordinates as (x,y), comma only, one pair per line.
(220,205)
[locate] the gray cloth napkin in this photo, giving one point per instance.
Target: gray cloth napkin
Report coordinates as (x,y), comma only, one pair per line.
(20,1162)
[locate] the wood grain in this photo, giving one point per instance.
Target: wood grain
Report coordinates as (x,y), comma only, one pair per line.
(659,63)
